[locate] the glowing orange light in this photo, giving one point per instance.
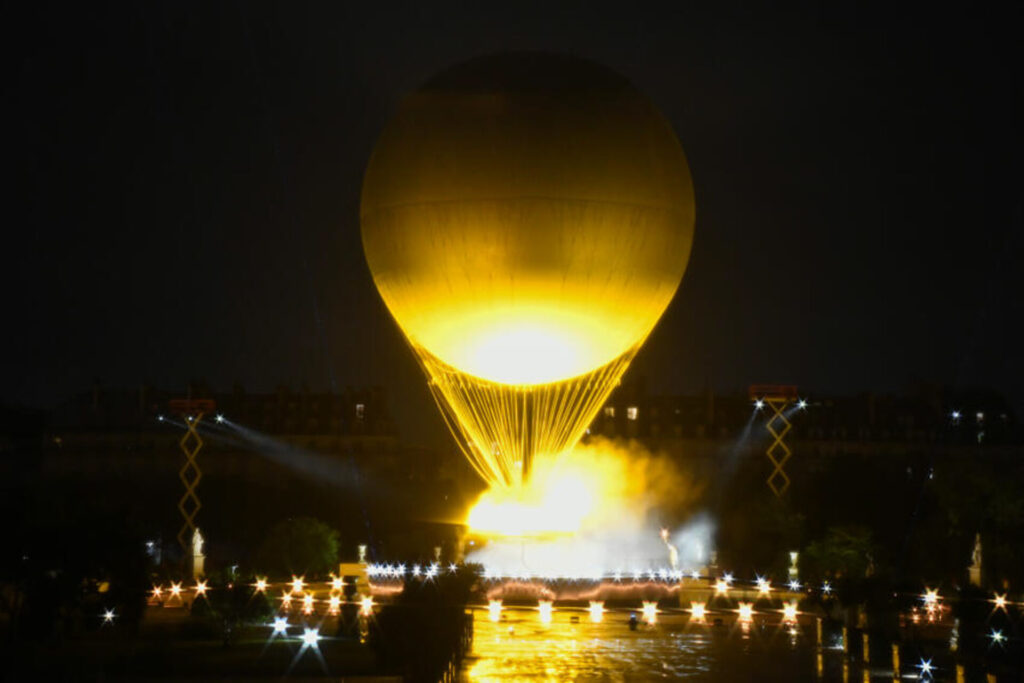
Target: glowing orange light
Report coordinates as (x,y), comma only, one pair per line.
(157,591)
(366,606)
(931,597)
(546,609)
(650,612)
(494,610)
(261,585)
(764,586)
(596,611)
(1000,601)
(200,588)
(337,583)
(789,612)
(175,589)
(307,604)
(746,611)
(297,584)
(698,610)
(334,604)
(286,600)
(721,587)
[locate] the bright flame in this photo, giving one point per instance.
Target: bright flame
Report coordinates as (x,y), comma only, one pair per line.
(698,610)
(650,612)
(596,611)
(746,611)
(546,609)
(494,610)
(547,505)
(789,612)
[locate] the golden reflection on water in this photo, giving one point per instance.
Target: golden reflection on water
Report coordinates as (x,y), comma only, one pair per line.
(521,646)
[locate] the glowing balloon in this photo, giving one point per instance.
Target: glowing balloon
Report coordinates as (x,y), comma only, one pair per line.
(527,218)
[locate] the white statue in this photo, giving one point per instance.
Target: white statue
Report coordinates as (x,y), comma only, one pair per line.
(974,571)
(197,543)
(198,559)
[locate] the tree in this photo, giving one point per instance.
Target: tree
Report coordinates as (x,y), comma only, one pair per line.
(845,552)
(302,546)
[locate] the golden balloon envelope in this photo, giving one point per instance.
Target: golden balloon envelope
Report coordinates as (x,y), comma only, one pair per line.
(527,218)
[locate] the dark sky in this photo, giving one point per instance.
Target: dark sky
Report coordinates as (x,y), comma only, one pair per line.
(184,185)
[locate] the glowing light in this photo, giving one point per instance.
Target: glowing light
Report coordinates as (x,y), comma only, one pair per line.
(453,568)
(650,612)
(789,612)
(758,404)
(931,597)
(200,588)
(297,583)
(1000,601)
(997,636)
(307,604)
(925,666)
(494,610)
(220,419)
(596,611)
(955,415)
(695,574)
(310,637)
(794,585)
(109,616)
(728,578)
(157,592)
(366,606)
(721,587)
(334,604)
(176,590)
(546,609)
(261,585)
(552,503)
(159,418)
(280,625)
(764,586)
(286,600)
(826,588)
(746,611)
(337,583)
(802,404)
(698,610)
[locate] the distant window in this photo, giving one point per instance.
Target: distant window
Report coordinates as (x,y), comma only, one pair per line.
(632,412)
(609,411)
(360,410)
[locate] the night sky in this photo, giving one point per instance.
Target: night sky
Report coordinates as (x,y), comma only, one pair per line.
(184,187)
